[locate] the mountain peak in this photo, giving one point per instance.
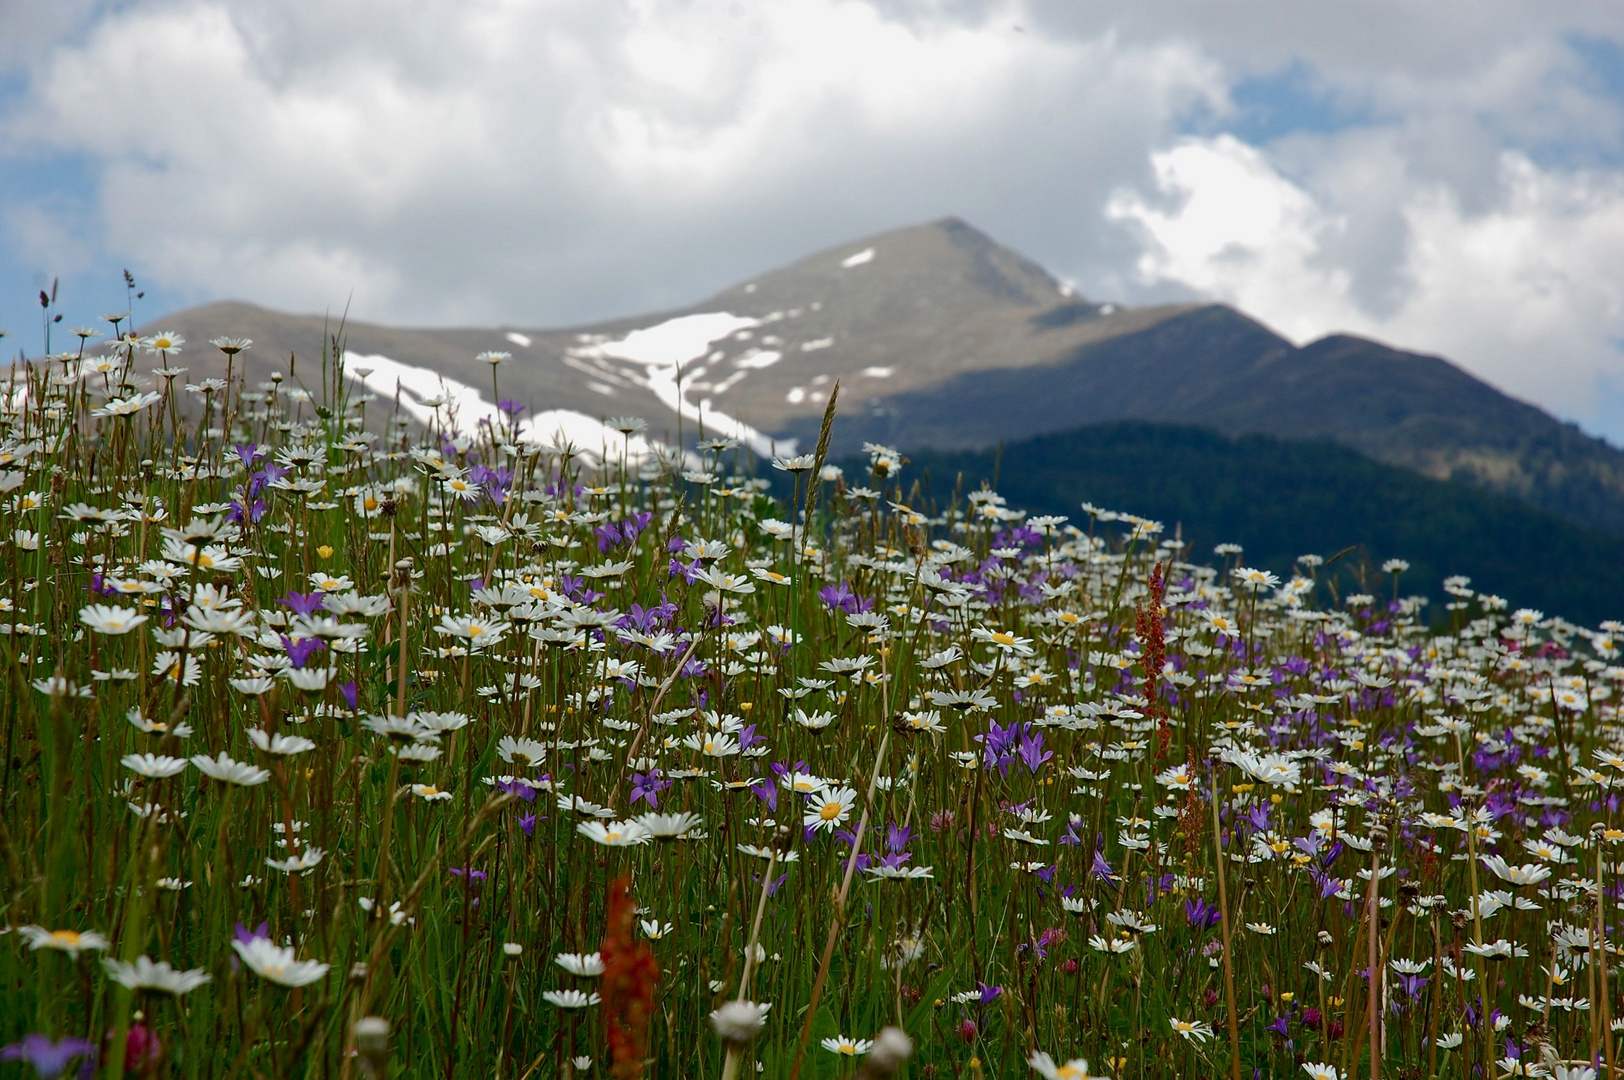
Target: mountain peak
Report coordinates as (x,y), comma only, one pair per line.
(945,262)
(1003,269)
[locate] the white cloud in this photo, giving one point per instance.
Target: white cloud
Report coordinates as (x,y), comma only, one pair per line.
(1520,290)
(525,163)
(31,27)
(1233,227)
(530,163)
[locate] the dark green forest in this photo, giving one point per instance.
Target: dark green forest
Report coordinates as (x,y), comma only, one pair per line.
(1281,499)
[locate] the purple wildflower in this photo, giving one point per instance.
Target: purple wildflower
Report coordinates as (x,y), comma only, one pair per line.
(647,786)
(49,1058)
(300,650)
(1031,751)
(303,603)
(517,788)
(248,937)
(1200,914)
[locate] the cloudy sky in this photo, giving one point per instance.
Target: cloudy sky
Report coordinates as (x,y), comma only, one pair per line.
(1445,176)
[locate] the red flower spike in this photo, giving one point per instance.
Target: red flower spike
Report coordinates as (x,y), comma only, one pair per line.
(1148,628)
(630,975)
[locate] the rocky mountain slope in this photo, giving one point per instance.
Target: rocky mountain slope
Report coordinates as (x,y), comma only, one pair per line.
(940,337)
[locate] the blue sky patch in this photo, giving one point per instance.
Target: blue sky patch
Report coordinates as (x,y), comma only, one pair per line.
(1288,101)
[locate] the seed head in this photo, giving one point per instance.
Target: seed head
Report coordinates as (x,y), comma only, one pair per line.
(890,1052)
(738,1022)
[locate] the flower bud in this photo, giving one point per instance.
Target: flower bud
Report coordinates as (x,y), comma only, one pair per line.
(372,1044)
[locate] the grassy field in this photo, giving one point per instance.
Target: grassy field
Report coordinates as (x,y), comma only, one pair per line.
(334,747)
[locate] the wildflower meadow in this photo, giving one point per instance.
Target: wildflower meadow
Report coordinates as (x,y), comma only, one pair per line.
(339,745)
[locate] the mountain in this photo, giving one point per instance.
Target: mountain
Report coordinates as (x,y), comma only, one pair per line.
(1216,368)
(903,312)
(1280,499)
(940,337)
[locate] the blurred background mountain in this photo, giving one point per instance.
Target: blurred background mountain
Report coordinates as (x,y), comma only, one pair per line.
(950,346)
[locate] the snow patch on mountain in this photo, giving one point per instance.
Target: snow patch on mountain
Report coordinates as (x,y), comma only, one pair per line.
(664,348)
(433,400)
(756,359)
(675,341)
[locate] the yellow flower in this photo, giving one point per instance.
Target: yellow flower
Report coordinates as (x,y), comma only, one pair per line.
(325,551)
